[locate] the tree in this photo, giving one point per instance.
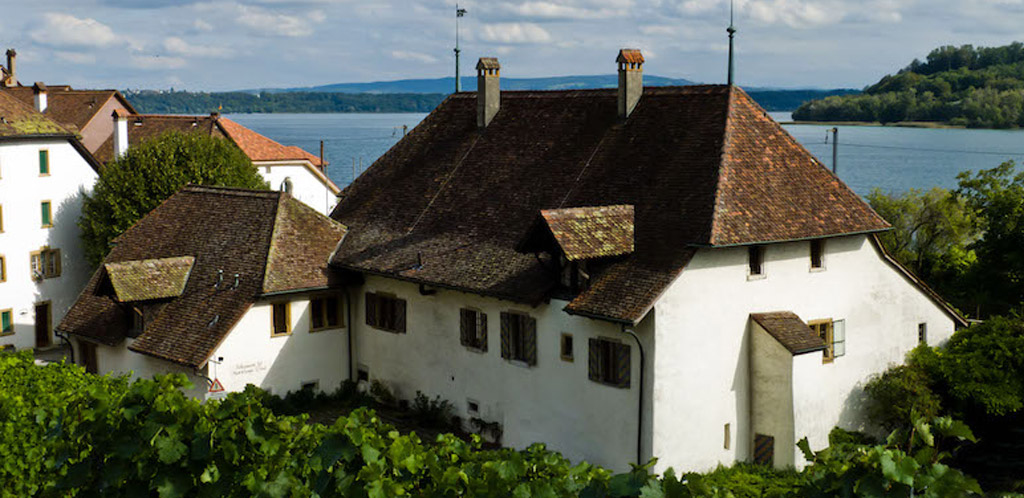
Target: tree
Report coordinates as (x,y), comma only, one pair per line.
(131,186)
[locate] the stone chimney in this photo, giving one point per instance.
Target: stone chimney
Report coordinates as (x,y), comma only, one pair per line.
(11,78)
(488,90)
(120,132)
(39,90)
(631,80)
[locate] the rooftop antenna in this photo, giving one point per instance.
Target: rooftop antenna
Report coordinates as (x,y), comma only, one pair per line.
(732,32)
(458,78)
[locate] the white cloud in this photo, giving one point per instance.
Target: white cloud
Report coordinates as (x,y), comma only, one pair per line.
(75,57)
(405,55)
(201,25)
(273,23)
(515,32)
(793,13)
(179,46)
(157,62)
(64,30)
(562,10)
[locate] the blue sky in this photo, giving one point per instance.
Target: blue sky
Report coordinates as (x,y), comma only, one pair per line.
(234,44)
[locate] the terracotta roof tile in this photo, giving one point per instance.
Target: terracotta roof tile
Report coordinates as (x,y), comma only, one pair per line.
(630,55)
(228,231)
(147,279)
(69,107)
(261,148)
(20,120)
(790,331)
(702,166)
(591,232)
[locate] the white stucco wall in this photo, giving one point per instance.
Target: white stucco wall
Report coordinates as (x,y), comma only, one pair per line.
(22,189)
(701,366)
(119,360)
(306,186)
(771,392)
(552,402)
(281,363)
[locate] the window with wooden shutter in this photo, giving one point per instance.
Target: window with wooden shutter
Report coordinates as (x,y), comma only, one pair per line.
(519,337)
(834,335)
(324,313)
(44,162)
(385,312)
(473,329)
(45,214)
(281,318)
(609,362)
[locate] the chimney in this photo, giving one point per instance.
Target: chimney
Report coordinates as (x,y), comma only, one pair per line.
(488,90)
(631,80)
(12,76)
(39,90)
(120,132)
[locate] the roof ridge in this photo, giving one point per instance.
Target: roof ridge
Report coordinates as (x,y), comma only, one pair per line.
(237,191)
(723,159)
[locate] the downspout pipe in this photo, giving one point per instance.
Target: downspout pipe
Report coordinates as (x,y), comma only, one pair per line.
(351,335)
(65,339)
(640,399)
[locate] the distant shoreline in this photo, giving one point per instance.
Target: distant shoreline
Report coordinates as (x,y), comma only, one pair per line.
(901,124)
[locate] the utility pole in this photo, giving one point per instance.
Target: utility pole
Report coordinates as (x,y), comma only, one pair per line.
(835,150)
(732,32)
(458,77)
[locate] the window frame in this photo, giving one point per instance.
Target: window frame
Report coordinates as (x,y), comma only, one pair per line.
(922,333)
(49,214)
(758,252)
(287,318)
(820,245)
(3,268)
(325,299)
(45,256)
(570,357)
(1,218)
(607,362)
(829,354)
(479,332)
(395,324)
(10,314)
(44,153)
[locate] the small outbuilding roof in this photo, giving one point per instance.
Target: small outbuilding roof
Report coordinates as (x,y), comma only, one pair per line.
(148,279)
(790,331)
(588,232)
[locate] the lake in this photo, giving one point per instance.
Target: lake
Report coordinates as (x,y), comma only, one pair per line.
(893,159)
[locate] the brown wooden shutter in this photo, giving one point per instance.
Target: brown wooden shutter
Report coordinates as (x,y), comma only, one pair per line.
(481,331)
(506,325)
(465,327)
(594,360)
(622,365)
(371,309)
(529,328)
(400,316)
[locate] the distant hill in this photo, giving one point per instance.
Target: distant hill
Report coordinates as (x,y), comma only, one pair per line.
(447,85)
(976,87)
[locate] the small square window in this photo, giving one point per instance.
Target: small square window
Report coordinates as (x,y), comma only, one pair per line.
(473,407)
(44,163)
(313,386)
(755,260)
(46,216)
(363,374)
(6,322)
(922,333)
(281,318)
(817,254)
(566,347)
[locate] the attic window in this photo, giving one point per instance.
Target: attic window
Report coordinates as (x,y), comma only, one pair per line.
(281,319)
(817,254)
(755,260)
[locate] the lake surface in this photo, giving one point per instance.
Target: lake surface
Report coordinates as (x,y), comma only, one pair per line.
(893,159)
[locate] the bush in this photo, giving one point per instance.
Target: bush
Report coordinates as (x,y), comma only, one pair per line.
(897,393)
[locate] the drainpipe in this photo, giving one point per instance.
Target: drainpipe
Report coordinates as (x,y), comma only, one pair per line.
(640,400)
(66,340)
(351,335)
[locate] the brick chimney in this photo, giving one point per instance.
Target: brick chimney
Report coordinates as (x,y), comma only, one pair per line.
(488,90)
(120,132)
(631,80)
(39,90)
(11,78)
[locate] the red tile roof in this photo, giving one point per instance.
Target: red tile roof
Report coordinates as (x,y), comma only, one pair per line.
(272,242)
(69,107)
(702,166)
(142,127)
(630,55)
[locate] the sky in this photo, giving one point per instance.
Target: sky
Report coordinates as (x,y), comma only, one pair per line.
(239,44)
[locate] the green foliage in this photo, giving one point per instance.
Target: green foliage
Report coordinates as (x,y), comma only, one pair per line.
(179,102)
(908,464)
(435,413)
(896,393)
(131,186)
(983,366)
(978,87)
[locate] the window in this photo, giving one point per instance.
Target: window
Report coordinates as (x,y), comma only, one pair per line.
(1,218)
(325,313)
(728,436)
(472,406)
(45,263)
(473,329)
(311,386)
(362,374)
(385,312)
(45,215)
(138,322)
(565,349)
(88,351)
(281,318)
(755,260)
(3,269)
(922,333)
(519,337)
(817,254)
(764,449)
(834,335)
(6,322)
(609,362)
(44,162)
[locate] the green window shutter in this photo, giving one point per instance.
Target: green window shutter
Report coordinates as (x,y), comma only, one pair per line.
(5,322)
(594,360)
(506,325)
(622,358)
(44,162)
(400,316)
(529,327)
(466,327)
(481,330)
(45,214)
(371,309)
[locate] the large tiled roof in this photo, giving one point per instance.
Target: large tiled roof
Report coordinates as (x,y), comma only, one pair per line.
(69,107)
(791,332)
(20,120)
(142,127)
(702,166)
(228,231)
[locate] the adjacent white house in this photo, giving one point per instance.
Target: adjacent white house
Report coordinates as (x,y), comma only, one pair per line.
(44,173)
(621,274)
(228,286)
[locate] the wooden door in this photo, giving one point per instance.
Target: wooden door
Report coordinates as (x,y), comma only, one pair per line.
(88,351)
(43,325)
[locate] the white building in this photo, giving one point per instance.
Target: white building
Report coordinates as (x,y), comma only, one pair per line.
(44,173)
(227,286)
(620,274)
